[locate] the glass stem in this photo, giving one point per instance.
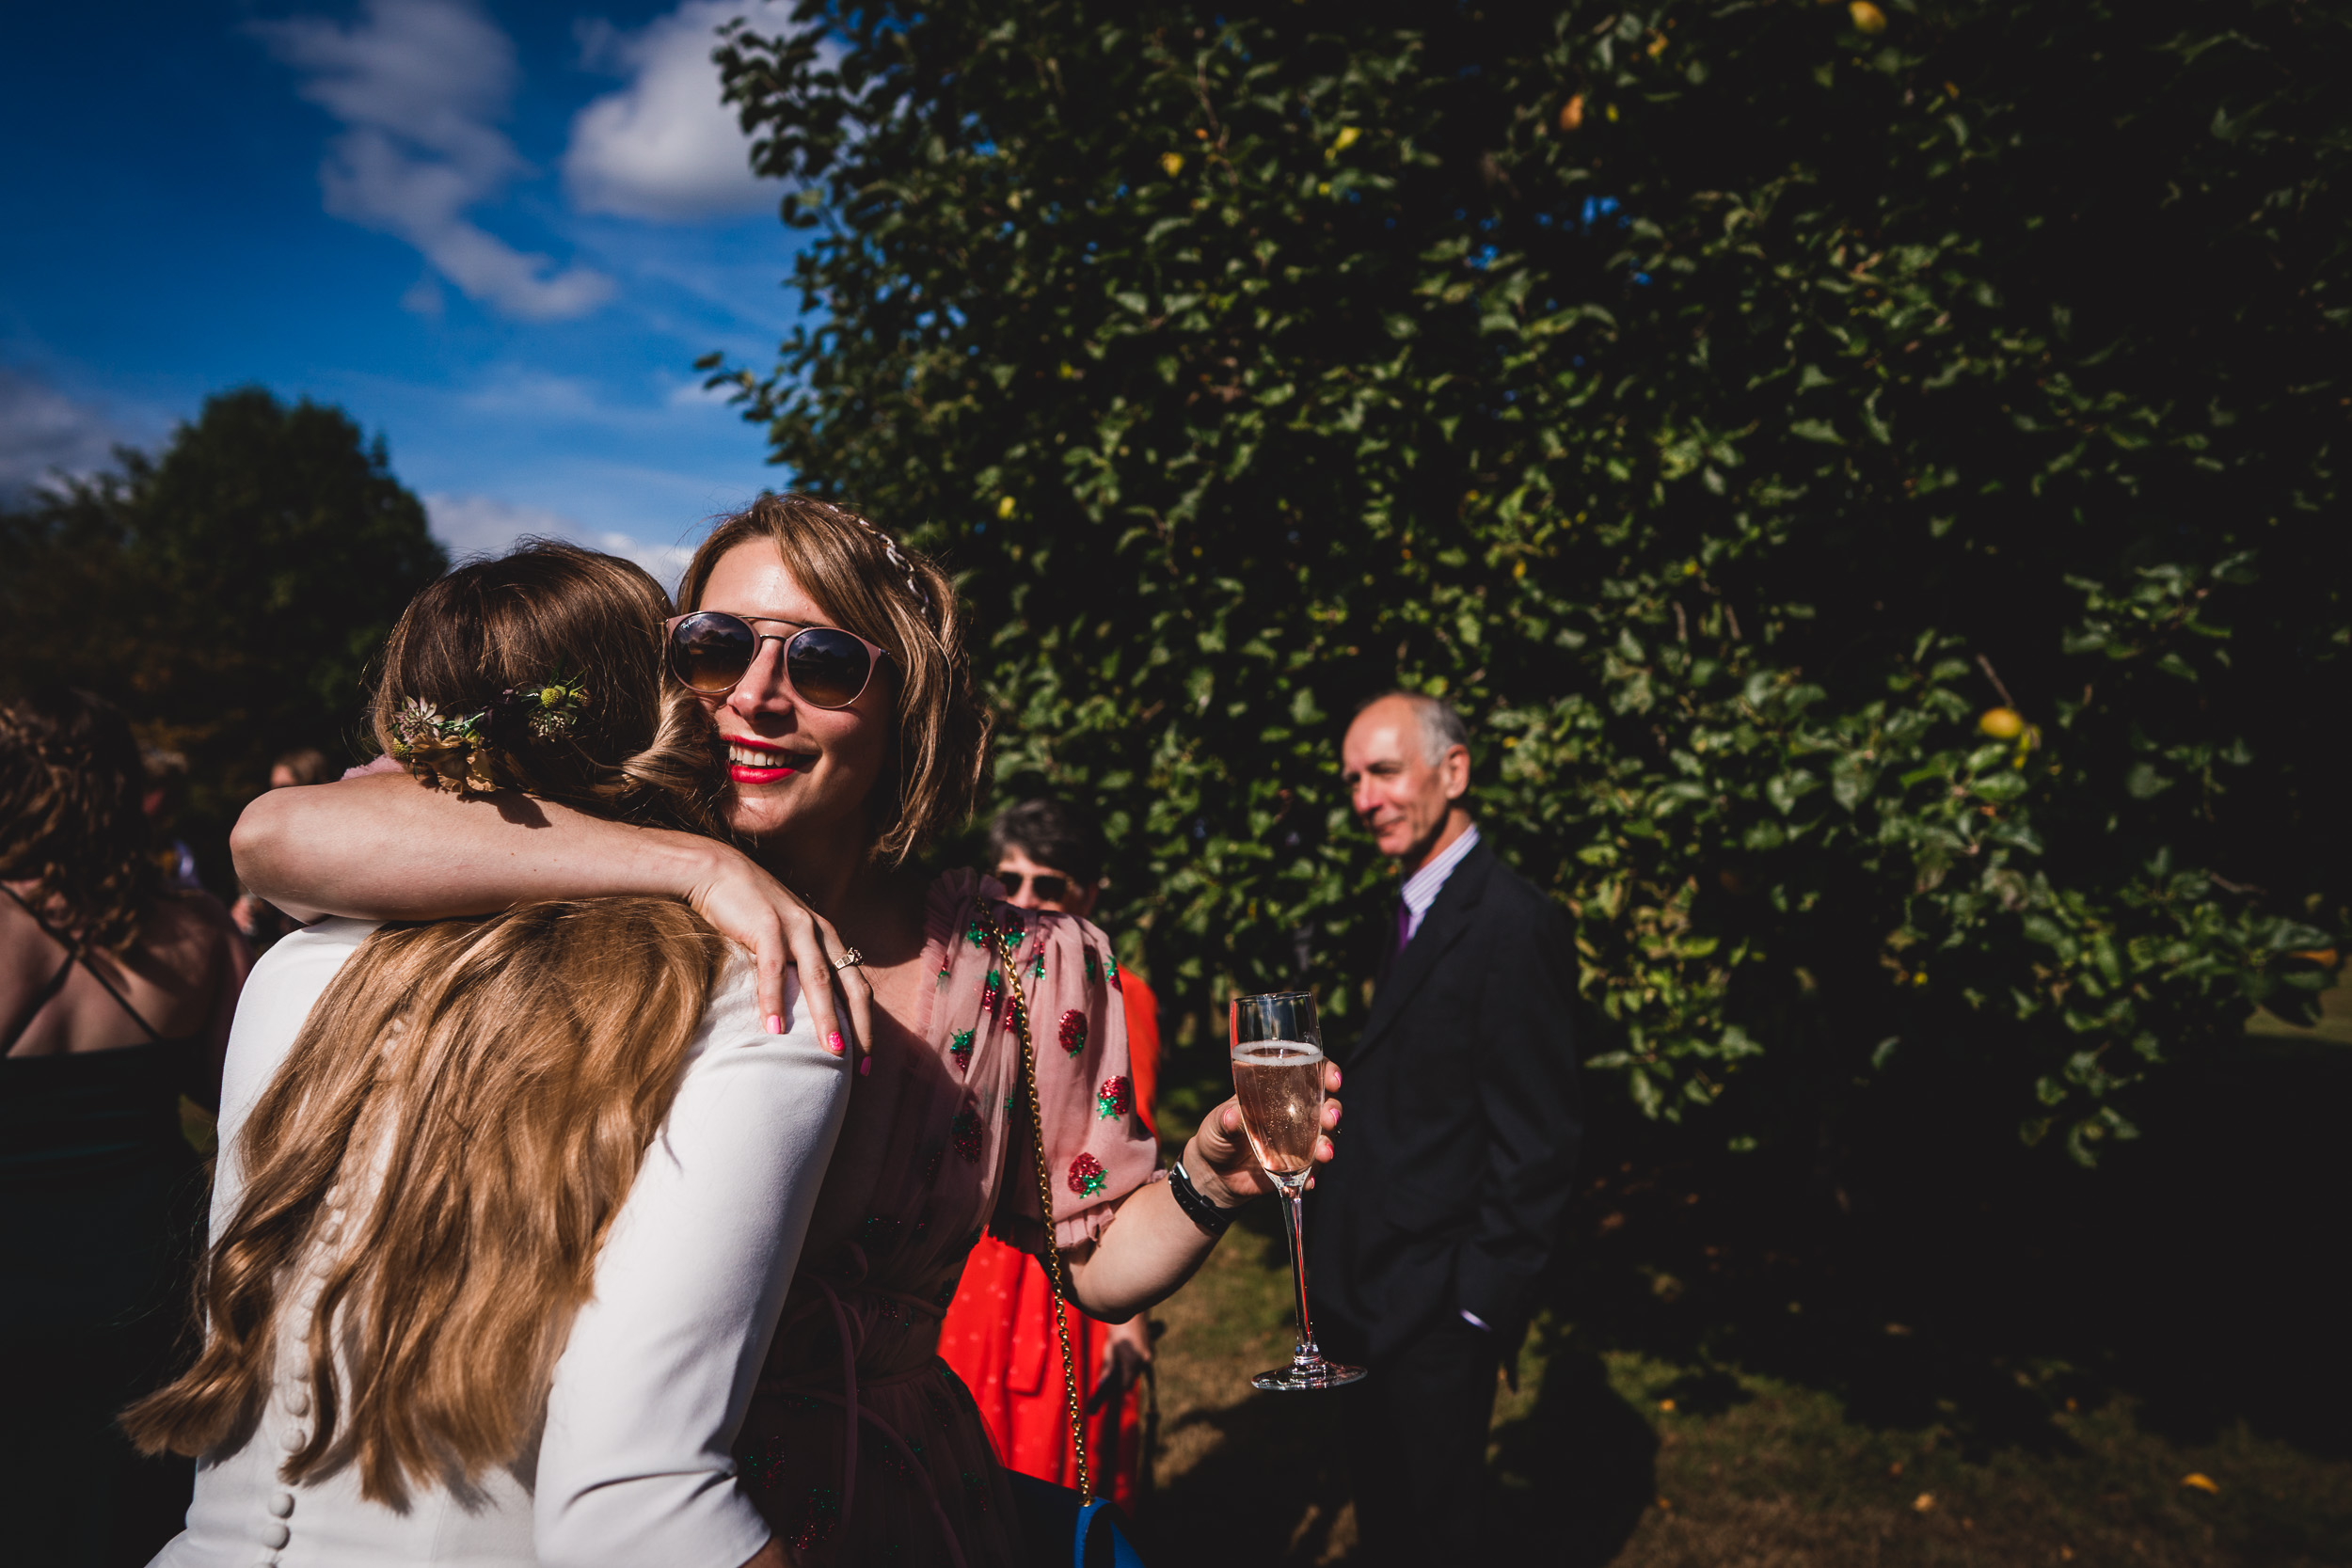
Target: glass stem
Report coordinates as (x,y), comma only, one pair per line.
(1295,1220)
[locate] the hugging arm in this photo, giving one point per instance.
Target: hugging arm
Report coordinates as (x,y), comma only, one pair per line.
(381,847)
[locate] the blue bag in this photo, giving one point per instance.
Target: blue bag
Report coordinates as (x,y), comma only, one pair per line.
(1059,1526)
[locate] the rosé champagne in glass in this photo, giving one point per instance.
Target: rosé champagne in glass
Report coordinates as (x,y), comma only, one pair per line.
(1278,1083)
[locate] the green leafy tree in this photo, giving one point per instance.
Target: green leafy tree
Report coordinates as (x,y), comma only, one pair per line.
(1726,405)
(229,593)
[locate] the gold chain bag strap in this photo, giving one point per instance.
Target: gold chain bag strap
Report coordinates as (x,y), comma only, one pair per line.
(1007,944)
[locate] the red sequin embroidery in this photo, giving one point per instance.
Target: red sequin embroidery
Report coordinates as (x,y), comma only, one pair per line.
(1087,1176)
(1111,1098)
(1074,1031)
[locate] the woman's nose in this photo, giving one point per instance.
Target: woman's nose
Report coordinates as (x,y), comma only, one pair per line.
(762,690)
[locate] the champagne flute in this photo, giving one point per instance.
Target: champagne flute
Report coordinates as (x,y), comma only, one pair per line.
(1278,1081)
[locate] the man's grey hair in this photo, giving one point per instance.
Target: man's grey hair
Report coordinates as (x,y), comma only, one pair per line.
(1441,728)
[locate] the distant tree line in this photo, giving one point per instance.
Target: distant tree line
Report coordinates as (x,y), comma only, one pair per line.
(228,592)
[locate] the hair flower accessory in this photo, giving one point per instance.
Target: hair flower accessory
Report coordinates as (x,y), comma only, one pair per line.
(441,751)
(464,754)
(551,709)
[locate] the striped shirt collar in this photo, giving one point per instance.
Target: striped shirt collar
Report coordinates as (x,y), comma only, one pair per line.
(1422,887)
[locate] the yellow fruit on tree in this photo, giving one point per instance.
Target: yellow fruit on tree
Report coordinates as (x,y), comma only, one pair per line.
(1173,163)
(1572,113)
(2001,723)
(1867,17)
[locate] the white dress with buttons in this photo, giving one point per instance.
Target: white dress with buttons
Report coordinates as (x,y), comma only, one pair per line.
(632,1468)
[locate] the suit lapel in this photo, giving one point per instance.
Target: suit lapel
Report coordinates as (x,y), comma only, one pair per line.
(1445,925)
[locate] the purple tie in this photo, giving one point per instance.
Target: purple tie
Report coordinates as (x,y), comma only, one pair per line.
(1403,924)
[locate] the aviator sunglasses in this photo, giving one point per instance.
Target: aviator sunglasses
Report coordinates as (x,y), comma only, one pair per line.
(712,651)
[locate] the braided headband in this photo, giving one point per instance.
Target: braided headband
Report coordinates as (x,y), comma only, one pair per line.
(464,754)
(890,547)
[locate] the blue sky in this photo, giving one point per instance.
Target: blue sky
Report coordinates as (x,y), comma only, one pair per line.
(497,232)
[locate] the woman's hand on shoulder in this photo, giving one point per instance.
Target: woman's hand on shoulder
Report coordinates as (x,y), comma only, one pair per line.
(1226,1171)
(750,906)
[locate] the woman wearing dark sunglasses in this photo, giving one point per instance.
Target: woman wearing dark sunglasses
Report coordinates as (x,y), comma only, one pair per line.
(832,666)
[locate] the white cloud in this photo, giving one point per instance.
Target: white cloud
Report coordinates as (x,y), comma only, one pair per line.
(694,394)
(478,525)
(664,147)
(420,86)
(667,402)
(482,524)
(44,433)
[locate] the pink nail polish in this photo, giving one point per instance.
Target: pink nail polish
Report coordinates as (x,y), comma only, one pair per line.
(833,1043)
(865,1068)
(776,1023)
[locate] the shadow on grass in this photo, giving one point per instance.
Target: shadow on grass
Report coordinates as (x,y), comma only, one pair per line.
(1271,1486)
(1573,1476)
(1268,1492)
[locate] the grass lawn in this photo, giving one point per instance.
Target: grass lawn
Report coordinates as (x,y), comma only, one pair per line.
(1956,1351)
(1617,1456)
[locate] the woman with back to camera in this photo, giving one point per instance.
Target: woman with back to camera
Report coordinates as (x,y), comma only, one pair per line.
(506,1205)
(116,993)
(833,663)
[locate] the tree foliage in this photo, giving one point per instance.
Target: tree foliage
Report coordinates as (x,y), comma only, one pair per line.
(1723,405)
(228,592)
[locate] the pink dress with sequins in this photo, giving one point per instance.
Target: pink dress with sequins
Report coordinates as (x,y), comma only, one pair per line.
(935,1150)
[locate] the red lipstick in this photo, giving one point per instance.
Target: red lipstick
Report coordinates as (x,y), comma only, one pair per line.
(754,761)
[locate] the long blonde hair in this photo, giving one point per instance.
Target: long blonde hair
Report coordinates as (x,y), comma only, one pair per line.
(466,1107)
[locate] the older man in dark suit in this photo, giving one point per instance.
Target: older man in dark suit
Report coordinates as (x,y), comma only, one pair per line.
(1427,1237)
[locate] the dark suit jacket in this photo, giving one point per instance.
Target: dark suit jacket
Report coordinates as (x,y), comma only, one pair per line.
(1461,1130)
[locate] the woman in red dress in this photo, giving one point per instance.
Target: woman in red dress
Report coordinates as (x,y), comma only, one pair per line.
(999,1334)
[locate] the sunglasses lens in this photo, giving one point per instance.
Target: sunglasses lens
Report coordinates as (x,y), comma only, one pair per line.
(1050,888)
(710,652)
(828,668)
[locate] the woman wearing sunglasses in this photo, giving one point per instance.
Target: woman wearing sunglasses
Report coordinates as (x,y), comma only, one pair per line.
(833,666)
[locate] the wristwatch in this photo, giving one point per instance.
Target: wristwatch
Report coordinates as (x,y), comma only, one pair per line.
(1197,1209)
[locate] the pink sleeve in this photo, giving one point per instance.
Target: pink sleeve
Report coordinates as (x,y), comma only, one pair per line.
(1097,1149)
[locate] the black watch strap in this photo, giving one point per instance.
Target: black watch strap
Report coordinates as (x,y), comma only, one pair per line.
(1199,1209)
